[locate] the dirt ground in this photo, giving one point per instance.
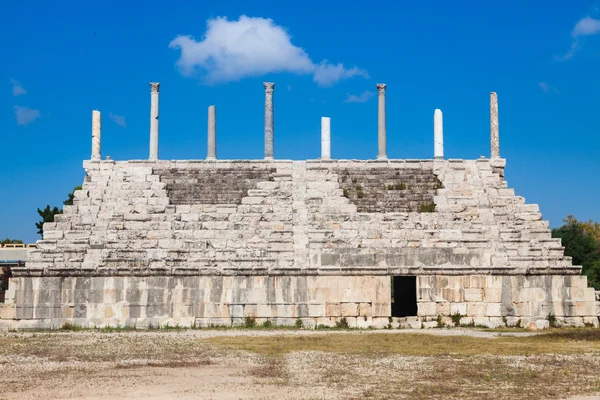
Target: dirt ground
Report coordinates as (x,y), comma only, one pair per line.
(279,364)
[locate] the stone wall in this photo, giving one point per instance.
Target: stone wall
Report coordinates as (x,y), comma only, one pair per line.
(273,220)
(482,300)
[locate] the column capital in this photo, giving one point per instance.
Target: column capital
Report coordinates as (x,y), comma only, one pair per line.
(154,86)
(381,87)
(269,86)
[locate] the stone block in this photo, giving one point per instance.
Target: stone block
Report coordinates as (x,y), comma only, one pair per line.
(443,308)
(350,309)
(427,309)
(458,308)
(493,309)
(365,310)
(424,325)
(333,310)
(473,294)
(382,309)
(414,322)
(492,295)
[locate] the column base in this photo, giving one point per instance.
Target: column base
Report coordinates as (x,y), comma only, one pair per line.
(382,158)
(268,158)
(211,158)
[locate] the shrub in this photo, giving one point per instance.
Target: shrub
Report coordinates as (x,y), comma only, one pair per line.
(440,322)
(249,322)
(342,323)
(552,320)
(427,207)
(299,323)
(456,318)
(267,324)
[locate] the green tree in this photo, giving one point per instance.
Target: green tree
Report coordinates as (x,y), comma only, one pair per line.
(69,200)
(581,246)
(47,215)
(11,241)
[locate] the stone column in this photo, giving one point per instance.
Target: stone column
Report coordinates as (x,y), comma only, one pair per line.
(154,86)
(269,129)
(438,135)
(381,133)
(211,153)
(96,135)
(494,126)
(325,138)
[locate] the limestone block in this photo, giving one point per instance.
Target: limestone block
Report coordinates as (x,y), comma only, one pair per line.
(443,308)
(424,325)
(365,310)
(426,309)
(476,309)
(585,308)
(458,308)
(349,309)
(492,295)
(377,323)
(493,309)
(382,309)
(333,309)
(473,294)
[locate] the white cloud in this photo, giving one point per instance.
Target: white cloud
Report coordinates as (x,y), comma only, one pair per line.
(117,119)
(327,74)
(547,87)
(361,98)
(587,26)
(232,50)
(26,115)
(17,88)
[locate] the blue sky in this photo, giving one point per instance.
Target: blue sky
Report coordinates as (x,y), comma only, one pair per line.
(61,60)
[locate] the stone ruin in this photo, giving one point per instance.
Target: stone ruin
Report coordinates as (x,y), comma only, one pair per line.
(377,242)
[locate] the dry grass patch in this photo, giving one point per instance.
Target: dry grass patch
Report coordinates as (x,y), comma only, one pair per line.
(418,344)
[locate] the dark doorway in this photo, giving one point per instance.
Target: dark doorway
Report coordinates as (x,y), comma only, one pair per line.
(404,296)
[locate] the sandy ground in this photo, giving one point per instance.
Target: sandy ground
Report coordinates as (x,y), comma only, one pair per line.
(133,373)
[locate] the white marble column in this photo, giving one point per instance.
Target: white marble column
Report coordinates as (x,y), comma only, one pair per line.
(438,134)
(381,132)
(325,138)
(494,126)
(96,135)
(154,86)
(211,153)
(269,127)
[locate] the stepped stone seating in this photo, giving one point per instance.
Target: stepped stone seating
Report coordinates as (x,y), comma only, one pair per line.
(223,186)
(389,189)
(202,243)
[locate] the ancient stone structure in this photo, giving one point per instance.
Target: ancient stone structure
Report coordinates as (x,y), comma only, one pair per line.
(494,126)
(211,153)
(269,127)
(381,130)
(401,242)
(154,87)
(438,134)
(325,138)
(96,135)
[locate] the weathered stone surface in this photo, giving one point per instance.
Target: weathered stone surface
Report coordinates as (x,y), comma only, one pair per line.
(214,242)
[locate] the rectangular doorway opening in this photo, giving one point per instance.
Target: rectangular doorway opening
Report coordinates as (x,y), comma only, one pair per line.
(404,296)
